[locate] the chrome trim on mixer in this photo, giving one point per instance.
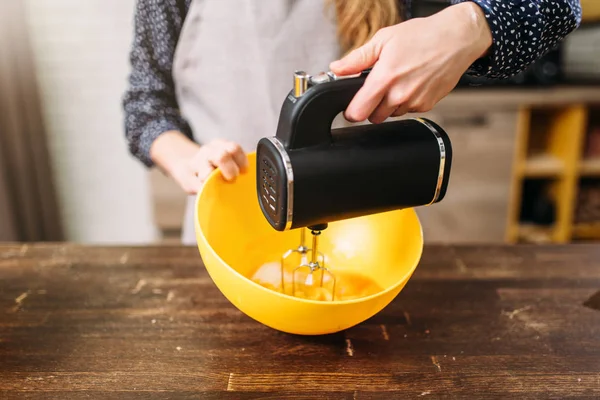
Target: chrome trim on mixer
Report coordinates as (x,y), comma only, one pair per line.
(442,147)
(289,172)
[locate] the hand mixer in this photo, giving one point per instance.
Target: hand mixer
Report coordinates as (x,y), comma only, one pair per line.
(309,175)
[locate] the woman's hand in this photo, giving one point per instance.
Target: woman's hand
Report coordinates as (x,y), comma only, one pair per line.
(190,164)
(415,63)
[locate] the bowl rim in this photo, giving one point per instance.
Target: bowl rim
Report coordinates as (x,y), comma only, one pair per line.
(200,235)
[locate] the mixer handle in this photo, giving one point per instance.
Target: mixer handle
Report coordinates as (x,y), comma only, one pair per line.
(306,116)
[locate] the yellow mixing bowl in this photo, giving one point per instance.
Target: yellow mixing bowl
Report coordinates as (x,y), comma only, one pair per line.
(234,239)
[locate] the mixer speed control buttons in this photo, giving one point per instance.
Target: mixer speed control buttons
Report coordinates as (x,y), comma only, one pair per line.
(320,78)
(300,83)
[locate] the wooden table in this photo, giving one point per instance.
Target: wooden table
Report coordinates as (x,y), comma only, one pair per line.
(148,323)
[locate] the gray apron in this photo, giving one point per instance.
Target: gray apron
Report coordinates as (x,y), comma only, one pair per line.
(234,63)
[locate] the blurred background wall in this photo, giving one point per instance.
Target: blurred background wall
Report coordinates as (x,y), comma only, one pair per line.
(526,162)
(80,52)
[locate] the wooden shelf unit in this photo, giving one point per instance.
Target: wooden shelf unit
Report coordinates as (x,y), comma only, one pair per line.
(589,231)
(551,150)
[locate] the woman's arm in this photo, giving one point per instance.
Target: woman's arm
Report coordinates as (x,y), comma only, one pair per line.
(522,32)
(418,62)
(155,130)
(149,102)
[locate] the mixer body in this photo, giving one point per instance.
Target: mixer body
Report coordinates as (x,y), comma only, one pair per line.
(309,175)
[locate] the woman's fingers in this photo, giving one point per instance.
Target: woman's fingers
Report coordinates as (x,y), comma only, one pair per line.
(401,110)
(388,105)
(228,156)
(223,160)
(363,57)
(371,94)
(238,156)
(356,61)
(368,97)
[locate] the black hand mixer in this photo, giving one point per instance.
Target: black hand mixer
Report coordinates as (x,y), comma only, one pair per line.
(309,174)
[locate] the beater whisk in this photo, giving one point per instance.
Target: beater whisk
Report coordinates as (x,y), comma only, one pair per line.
(315,264)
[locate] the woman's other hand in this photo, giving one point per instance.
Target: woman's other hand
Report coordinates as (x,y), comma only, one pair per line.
(415,63)
(190,164)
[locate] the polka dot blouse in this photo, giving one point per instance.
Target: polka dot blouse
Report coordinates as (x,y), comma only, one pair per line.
(522,31)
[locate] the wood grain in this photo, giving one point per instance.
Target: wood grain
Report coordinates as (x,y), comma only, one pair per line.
(147,322)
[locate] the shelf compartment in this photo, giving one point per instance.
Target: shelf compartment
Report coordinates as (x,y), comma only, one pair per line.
(587,205)
(538,202)
(543,165)
(538,212)
(536,234)
(551,131)
(590,167)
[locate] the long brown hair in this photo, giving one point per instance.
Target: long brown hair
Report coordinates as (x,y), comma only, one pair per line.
(358,20)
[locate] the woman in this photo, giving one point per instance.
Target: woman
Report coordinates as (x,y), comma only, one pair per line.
(208,77)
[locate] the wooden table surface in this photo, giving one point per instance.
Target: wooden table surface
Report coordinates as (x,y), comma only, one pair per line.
(148,323)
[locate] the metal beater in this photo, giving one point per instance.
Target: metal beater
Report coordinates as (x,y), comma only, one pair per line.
(316,263)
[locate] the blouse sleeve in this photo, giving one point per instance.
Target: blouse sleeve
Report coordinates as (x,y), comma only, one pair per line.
(522,32)
(149,103)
